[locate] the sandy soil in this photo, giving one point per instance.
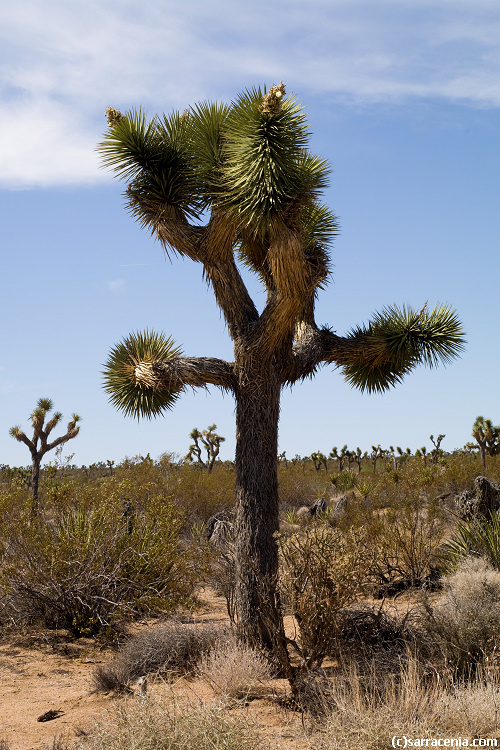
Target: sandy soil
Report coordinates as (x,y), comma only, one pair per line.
(47,672)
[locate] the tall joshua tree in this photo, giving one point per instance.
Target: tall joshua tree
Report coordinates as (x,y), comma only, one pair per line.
(39,444)
(246,168)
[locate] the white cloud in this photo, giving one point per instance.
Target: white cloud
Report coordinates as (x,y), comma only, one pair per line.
(116,285)
(62,63)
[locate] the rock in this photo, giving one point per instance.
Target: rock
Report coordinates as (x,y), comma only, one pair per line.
(483,500)
(340,507)
(318,507)
(303,513)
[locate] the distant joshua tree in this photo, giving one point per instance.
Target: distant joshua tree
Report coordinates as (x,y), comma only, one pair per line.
(210,442)
(39,445)
(487,437)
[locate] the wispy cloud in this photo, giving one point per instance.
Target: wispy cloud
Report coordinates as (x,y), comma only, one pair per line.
(62,63)
(116,285)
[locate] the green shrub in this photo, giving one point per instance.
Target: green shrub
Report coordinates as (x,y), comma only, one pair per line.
(479,537)
(86,570)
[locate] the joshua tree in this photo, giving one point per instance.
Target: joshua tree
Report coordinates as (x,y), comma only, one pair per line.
(358,458)
(247,170)
(487,437)
(39,445)
(319,459)
(377,452)
(422,453)
(339,456)
(437,451)
(210,441)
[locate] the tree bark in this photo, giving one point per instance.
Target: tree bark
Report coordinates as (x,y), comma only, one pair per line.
(256,490)
(35,477)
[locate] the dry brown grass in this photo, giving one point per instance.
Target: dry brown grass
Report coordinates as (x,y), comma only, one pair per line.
(365,712)
(151,724)
(234,670)
(173,646)
(465,621)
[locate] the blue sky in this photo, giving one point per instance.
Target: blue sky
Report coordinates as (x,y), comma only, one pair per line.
(403,98)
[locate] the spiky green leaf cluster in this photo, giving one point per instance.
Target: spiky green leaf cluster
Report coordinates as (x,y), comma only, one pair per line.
(399,339)
(251,164)
(207,123)
(267,172)
(125,393)
(479,537)
(153,157)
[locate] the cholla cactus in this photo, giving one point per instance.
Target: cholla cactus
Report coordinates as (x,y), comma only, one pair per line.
(39,445)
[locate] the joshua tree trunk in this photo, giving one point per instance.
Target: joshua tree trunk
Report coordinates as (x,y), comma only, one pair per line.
(257,412)
(35,477)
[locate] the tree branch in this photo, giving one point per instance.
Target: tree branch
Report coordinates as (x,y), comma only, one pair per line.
(63,439)
(315,346)
(174,374)
(213,247)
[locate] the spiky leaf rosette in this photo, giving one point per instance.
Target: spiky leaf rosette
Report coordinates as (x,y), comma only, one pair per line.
(267,169)
(397,340)
(125,392)
(154,158)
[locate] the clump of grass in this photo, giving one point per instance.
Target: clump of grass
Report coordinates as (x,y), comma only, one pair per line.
(154,725)
(365,712)
(173,646)
(234,670)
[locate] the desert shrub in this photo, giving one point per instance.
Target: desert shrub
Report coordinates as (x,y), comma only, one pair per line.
(201,494)
(86,570)
(233,669)
(296,487)
(155,725)
(171,646)
(344,481)
(322,571)
(365,712)
(406,540)
(371,635)
(222,576)
(465,621)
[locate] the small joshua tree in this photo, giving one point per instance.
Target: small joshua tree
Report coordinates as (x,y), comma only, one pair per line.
(319,459)
(339,456)
(39,445)
(210,441)
(437,451)
(487,437)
